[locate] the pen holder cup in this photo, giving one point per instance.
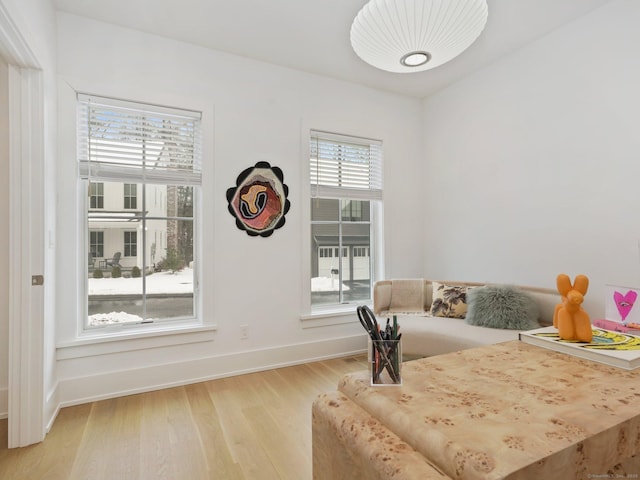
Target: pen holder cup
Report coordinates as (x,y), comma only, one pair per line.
(385,362)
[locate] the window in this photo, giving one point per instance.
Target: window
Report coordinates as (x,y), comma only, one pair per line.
(96,194)
(96,244)
(346,208)
(130,195)
(130,244)
(150,156)
(352,210)
(360,252)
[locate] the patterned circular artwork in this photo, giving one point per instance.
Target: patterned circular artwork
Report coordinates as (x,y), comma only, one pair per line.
(259,200)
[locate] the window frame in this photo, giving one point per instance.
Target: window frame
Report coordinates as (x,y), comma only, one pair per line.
(376,230)
(175,324)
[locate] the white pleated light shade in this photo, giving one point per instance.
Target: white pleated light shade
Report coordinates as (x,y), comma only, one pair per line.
(393,35)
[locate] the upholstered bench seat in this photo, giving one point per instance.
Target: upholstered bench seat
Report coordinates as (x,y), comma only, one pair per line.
(425,334)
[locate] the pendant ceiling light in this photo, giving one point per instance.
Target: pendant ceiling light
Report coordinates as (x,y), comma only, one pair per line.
(416,35)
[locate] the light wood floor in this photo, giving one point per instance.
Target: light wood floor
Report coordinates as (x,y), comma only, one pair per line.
(255,426)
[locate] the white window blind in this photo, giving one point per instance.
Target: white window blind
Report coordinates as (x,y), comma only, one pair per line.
(120,140)
(345,167)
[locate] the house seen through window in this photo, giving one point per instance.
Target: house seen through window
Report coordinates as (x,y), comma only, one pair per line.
(346,204)
(141,164)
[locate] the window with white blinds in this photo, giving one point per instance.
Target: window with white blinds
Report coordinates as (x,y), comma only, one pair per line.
(141,166)
(119,140)
(345,218)
(345,167)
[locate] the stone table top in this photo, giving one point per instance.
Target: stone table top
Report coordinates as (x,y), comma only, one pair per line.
(510,410)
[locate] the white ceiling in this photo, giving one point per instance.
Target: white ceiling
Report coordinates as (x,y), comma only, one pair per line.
(313,36)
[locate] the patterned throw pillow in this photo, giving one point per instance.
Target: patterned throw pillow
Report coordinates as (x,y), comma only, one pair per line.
(449,301)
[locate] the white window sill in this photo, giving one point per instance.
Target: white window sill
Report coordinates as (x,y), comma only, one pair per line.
(129,339)
(333,315)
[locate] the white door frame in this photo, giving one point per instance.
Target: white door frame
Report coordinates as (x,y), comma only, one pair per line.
(26,244)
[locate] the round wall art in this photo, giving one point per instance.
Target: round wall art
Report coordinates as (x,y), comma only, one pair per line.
(259,200)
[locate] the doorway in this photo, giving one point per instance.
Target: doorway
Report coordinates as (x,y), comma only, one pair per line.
(22,315)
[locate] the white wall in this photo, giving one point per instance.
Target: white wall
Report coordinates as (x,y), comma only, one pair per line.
(4,237)
(252,111)
(532,163)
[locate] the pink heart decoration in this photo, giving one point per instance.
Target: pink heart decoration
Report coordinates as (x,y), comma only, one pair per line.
(624,303)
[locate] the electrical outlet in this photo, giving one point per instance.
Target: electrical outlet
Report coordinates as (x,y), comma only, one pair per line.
(244,332)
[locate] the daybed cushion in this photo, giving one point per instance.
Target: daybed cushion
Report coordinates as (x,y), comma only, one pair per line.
(427,336)
(501,306)
(449,300)
(407,296)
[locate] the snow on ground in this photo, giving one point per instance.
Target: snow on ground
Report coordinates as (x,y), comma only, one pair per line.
(156,283)
(112,318)
(167,283)
(161,282)
(326,284)
(180,282)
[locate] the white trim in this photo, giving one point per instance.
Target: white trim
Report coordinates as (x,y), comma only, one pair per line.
(26,304)
(326,320)
(25,396)
(331,315)
(103,343)
(377,243)
(13,47)
(4,403)
(51,408)
(90,388)
(305,212)
(331,311)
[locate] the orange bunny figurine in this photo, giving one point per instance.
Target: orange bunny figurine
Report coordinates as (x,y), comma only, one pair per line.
(571,320)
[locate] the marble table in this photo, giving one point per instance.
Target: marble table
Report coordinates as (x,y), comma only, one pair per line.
(505,411)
